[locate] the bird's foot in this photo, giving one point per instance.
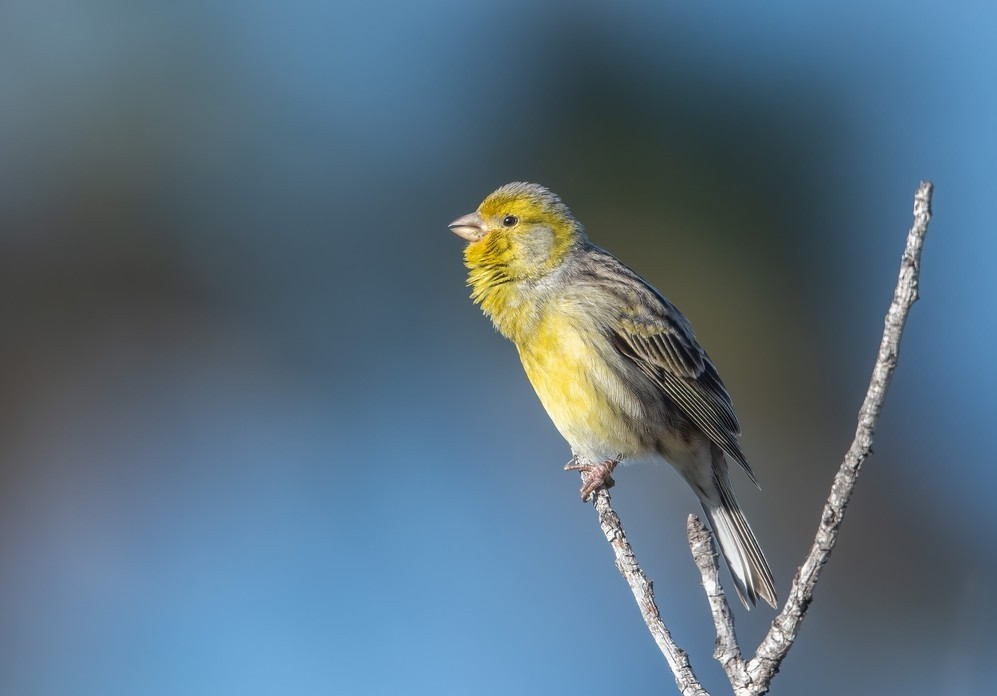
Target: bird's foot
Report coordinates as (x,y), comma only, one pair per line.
(596,475)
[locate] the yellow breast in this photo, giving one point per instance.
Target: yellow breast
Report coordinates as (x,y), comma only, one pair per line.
(584,395)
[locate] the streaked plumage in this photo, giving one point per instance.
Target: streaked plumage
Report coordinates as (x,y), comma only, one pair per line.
(615,364)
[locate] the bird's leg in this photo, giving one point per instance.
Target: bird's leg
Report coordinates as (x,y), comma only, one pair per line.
(596,475)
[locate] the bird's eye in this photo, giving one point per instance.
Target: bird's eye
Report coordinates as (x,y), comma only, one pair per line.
(510,221)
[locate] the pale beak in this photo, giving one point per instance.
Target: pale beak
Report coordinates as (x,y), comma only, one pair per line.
(469,227)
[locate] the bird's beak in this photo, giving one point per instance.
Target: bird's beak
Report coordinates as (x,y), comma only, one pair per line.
(469,227)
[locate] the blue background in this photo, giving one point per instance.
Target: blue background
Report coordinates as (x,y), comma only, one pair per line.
(255,439)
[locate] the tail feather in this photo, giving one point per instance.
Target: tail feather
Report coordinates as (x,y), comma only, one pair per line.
(748,567)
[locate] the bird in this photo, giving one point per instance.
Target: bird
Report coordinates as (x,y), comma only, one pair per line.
(615,365)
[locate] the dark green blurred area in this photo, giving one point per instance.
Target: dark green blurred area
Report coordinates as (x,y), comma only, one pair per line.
(254,438)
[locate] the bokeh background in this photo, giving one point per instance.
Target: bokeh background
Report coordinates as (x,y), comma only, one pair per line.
(255,439)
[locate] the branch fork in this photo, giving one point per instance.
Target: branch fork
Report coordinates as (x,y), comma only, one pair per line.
(754,676)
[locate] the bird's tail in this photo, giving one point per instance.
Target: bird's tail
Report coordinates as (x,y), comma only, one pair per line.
(748,567)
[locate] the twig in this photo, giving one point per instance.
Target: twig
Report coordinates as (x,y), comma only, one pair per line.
(643,592)
(726,652)
(755,676)
(786,626)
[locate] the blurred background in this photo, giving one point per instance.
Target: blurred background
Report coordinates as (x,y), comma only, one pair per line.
(255,439)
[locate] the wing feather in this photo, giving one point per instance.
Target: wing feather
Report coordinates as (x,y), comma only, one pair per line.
(652,333)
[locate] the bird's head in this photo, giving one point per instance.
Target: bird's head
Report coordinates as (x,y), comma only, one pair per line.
(519,232)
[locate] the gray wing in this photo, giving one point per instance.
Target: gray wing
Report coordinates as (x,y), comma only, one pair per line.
(659,340)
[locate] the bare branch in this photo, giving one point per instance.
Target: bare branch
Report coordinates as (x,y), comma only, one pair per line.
(726,652)
(643,592)
(786,626)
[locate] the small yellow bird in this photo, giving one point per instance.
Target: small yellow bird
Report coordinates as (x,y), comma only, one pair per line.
(615,364)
